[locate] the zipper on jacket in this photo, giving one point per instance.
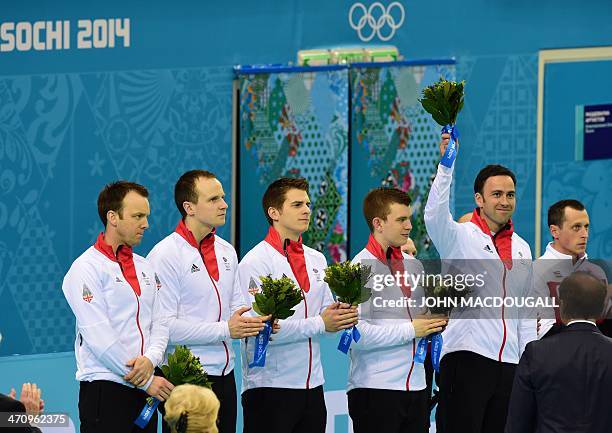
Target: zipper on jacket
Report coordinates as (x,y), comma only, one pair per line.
(137,310)
(138,324)
(226,358)
(305,317)
(411,364)
(219,317)
(503,344)
(413,340)
(501,349)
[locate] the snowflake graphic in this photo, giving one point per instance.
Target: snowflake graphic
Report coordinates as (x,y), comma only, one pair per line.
(96,165)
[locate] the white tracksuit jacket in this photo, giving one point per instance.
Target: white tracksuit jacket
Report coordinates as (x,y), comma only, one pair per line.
(113,323)
(293,354)
(383,357)
(493,333)
(196,306)
(548,272)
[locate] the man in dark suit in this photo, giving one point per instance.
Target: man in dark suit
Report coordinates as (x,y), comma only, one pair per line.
(29,402)
(563,383)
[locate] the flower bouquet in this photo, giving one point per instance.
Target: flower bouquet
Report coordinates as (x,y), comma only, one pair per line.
(183,367)
(277,298)
(444,100)
(348,283)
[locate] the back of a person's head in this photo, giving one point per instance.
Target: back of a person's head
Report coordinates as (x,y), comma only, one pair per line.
(582,297)
(192,409)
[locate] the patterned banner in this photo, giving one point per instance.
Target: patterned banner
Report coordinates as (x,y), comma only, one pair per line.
(393,139)
(62,138)
(296,124)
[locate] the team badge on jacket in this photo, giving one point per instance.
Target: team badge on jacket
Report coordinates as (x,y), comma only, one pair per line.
(253,288)
(87,295)
(158,283)
(194,268)
(226,263)
(146,279)
(317,274)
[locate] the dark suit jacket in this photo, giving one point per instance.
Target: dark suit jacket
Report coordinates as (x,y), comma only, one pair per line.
(8,404)
(563,384)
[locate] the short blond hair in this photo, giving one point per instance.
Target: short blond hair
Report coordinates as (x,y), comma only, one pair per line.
(198,405)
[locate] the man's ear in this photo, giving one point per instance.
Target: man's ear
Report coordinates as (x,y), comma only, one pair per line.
(112,217)
(554,231)
(188,207)
(274,213)
(479,199)
(377,224)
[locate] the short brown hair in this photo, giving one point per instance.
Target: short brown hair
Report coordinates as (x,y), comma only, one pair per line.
(112,195)
(583,296)
(377,203)
(185,188)
(276,193)
(556,213)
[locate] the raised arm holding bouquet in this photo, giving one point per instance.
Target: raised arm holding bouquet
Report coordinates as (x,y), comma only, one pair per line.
(444,100)
(348,283)
(484,342)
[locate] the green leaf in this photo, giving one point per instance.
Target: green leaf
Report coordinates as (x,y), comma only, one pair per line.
(440,119)
(270,306)
(430,106)
(257,310)
(447,89)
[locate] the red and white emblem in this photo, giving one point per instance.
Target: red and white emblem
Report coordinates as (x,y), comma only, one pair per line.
(253,287)
(87,295)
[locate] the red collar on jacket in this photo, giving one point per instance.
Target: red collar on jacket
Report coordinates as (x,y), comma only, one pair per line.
(393,258)
(502,240)
(294,251)
(206,248)
(124,257)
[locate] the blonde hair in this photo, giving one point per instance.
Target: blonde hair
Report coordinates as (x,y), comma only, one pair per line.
(198,405)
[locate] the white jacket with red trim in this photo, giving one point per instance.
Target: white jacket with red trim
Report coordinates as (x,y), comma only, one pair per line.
(196,306)
(383,358)
(293,358)
(490,332)
(548,272)
(113,323)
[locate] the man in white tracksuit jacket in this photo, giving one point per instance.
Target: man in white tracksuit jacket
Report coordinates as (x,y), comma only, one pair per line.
(121,335)
(568,222)
(286,394)
(202,299)
(482,346)
(386,387)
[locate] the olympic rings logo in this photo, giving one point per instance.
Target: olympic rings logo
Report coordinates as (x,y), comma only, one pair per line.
(376,26)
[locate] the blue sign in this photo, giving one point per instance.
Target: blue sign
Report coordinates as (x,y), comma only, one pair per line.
(595,139)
